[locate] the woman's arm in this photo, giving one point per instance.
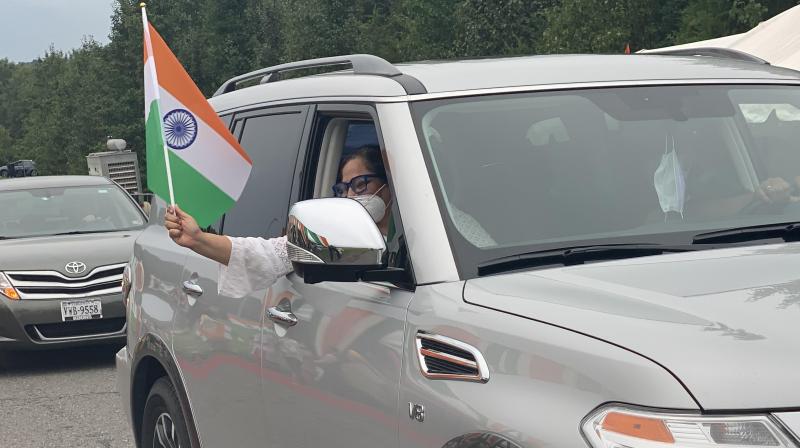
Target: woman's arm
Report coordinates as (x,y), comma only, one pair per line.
(255,263)
(183,229)
(215,247)
(246,264)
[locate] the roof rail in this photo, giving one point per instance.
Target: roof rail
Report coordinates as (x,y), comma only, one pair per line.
(363,64)
(716,52)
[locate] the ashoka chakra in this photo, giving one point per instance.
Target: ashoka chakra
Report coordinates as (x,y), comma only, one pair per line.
(180,129)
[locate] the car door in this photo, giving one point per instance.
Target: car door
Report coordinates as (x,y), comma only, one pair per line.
(218,339)
(332,378)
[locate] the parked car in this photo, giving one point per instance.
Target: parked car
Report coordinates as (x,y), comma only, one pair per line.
(64,243)
(20,168)
(588,250)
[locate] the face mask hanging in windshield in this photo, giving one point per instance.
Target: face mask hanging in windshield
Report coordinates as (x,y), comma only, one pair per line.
(669,181)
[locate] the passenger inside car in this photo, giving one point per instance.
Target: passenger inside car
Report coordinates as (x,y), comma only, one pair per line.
(363,177)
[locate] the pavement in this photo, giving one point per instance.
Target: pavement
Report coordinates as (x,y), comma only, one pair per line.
(61,398)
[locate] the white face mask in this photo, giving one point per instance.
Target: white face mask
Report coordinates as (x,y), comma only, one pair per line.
(374,204)
(669,181)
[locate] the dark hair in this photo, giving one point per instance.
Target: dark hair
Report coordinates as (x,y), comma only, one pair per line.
(371,155)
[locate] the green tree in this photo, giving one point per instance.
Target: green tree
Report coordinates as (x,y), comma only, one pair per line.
(6,153)
(708,19)
(502,27)
(417,30)
(59,107)
(605,26)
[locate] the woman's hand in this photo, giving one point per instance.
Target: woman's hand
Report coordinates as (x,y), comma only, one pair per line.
(775,190)
(182,228)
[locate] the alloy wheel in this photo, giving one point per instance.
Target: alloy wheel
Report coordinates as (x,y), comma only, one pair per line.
(165,435)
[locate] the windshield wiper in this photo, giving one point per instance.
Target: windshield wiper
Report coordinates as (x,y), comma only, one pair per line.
(80,232)
(577,255)
(786,232)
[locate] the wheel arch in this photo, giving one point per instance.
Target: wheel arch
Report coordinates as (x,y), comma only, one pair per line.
(152,361)
(481,440)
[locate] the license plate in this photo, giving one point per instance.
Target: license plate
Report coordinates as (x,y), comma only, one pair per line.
(81,310)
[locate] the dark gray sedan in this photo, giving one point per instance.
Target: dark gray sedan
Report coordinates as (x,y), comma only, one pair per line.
(64,242)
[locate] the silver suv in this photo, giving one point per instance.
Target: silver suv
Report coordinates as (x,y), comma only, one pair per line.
(587,250)
(64,244)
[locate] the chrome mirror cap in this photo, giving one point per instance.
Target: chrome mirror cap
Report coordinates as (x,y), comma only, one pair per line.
(334,231)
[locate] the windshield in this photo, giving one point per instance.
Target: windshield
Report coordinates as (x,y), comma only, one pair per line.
(536,171)
(47,211)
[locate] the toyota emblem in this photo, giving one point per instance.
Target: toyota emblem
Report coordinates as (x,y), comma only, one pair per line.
(75,267)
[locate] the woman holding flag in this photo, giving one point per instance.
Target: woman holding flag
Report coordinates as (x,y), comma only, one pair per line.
(248,264)
(192,156)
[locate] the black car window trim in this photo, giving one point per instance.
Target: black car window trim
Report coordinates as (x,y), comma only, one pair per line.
(230,123)
(306,173)
(237,126)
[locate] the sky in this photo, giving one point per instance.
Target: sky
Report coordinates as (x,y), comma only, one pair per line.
(29,27)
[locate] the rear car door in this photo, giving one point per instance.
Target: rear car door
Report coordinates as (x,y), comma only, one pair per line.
(217,339)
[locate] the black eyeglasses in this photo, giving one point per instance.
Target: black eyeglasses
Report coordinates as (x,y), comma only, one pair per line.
(358,184)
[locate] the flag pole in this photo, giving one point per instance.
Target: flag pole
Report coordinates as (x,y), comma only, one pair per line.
(157,98)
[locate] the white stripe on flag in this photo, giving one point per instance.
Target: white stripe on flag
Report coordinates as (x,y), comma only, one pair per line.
(149,88)
(210,154)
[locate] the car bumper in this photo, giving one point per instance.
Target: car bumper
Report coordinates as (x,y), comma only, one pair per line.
(31,324)
(124,382)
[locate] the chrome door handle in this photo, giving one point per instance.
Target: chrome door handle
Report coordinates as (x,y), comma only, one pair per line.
(192,289)
(284,317)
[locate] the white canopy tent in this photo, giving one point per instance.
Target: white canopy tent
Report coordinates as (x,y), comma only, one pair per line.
(776,41)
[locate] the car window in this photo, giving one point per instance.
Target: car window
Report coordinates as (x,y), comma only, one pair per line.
(359,134)
(651,164)
(46,211)
(272,141)
(327,154)
(774,128)
(760,113)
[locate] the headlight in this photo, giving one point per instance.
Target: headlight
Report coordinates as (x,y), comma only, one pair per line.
(126,284)
(619,427)
(7,289)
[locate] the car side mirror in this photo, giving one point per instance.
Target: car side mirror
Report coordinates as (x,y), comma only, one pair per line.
(333,239)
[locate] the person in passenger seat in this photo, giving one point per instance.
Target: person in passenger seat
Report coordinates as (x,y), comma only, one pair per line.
(252,263)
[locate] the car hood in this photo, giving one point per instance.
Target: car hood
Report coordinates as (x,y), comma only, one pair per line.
(52,253)
(725,322)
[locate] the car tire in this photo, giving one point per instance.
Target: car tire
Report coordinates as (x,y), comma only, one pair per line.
(163,422)
(34,172)
(3,173)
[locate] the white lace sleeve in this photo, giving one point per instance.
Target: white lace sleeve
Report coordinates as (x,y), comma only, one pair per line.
(255,263)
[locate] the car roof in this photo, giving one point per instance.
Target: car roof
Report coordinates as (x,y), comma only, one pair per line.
(30,183)
(482,74)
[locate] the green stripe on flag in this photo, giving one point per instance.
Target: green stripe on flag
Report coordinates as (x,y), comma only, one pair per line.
(195,194)
(156,170)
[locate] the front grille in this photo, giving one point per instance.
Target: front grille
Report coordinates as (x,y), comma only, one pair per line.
(103,280)
(39,278)
(60,290)
(76,328)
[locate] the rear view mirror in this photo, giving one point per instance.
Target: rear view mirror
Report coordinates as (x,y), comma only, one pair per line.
(333,239)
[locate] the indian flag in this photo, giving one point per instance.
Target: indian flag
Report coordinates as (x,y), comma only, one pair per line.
(192,158)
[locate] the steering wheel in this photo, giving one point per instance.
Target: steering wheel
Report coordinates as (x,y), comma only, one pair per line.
(758,206)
